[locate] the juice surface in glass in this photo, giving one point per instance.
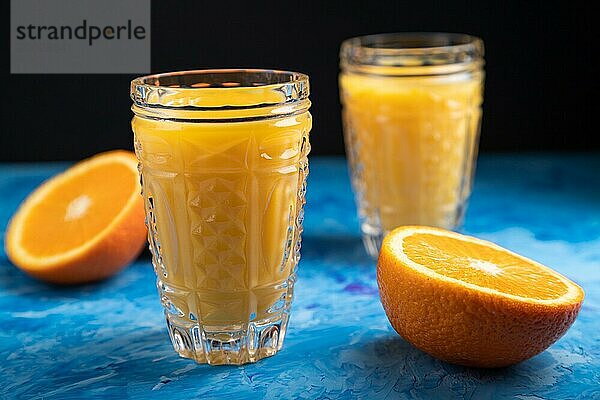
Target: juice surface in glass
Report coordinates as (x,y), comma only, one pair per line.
(411,137)
(224,194)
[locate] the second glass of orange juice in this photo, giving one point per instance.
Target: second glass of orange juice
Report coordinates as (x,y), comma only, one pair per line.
(223,163)
(412,111)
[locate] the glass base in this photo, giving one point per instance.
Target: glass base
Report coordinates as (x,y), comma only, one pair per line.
(372,239)
(227,345)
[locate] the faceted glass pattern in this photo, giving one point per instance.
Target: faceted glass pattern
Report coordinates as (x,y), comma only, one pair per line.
(417,170)
(412,114)
(224,207)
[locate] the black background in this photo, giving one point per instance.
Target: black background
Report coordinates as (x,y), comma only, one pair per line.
(541,86)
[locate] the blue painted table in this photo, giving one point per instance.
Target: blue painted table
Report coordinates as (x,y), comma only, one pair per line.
(109,339)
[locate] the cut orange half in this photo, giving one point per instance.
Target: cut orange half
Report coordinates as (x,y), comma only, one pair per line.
(82,225)
(470,302)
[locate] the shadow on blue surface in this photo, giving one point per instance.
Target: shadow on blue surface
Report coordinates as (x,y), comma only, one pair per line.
(342,248)
(13,280)
(396,348)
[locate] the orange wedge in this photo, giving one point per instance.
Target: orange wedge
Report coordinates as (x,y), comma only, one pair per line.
(470,302)
(82,225)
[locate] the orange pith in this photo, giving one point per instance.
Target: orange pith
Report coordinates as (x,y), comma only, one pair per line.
(81,225)
(470,302)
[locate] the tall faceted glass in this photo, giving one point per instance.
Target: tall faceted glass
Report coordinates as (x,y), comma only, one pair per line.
(223,164)
(412,112)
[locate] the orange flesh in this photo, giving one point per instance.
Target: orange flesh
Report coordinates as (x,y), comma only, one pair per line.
(465,261)
(102,192)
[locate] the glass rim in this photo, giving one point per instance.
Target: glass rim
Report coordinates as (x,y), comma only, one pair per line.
(155,78)
(236,92)
(412,49)
(452,42)
(189,83)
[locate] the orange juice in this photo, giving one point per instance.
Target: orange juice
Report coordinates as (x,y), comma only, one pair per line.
(415,136)
(224,195)
(411,136)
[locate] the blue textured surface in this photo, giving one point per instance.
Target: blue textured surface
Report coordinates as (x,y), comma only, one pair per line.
(109,339)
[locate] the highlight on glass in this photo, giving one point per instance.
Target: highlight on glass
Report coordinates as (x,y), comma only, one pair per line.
(223,164)
(411,113)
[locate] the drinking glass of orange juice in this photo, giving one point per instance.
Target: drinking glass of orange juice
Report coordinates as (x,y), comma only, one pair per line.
(223,163)
(412,112)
